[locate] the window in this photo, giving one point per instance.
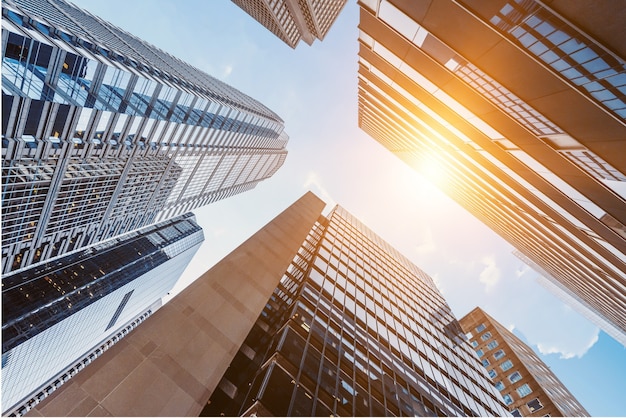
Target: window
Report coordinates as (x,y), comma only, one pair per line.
(524,390)
(499,385)
(492,373)
(492,345)
(498,354)
(480,353)
(485,362)
(480,328)
(486,336)
(507,399)
(516,413)
(515,377)
(474,344)
(506,365)
(534,405)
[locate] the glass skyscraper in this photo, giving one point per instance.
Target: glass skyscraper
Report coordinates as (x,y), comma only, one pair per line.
(522,107)
(103,133)
(57,316)
(354,329)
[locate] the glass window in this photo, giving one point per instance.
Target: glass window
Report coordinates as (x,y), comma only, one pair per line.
(534,405)
(492,373)
(474,344)
(516,413)
(507,399)
(480,328)
(480,353)
(485,362)
(515,377)
(486,336)
(498,354)
(492,345)
(499,385)
(524,390)
(506,365)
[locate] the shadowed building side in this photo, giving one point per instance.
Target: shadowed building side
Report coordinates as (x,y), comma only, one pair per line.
(170,365)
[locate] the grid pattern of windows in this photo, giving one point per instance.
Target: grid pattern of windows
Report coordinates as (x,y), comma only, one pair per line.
(120,132)
(355,329)
(569,52)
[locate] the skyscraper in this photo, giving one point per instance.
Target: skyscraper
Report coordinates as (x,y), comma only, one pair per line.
(332,315)
(57,316)
(354,329)
(294,20)
(522,107)
(103,133)
(528,386)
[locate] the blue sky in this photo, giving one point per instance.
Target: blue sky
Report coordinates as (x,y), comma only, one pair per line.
(314,90)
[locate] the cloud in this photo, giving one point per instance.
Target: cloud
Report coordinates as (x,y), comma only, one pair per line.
(490,274)
(523,269)
(228,69)
(312,179)
(572,350)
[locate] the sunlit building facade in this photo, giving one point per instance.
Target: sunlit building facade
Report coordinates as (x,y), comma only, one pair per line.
(59,315)
(522,109)
(529,388)
(294,20)
(103,133)
(354,329)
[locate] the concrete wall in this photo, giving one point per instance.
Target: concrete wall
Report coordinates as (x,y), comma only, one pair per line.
(170,365)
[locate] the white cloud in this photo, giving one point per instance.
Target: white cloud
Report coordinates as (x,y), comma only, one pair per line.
(573,350)
(312,179)
(490,274)
(228,69)
(522,270)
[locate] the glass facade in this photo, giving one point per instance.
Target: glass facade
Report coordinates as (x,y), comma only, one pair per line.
(292,20)
(354,329)
(107,133)
(514,156)
(55,312)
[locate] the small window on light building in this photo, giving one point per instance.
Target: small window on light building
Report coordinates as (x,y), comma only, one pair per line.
(506,365)
(498,354)
(524,390)
(515,377)
(480,328)
(492,345)
(485,336)
(508,400)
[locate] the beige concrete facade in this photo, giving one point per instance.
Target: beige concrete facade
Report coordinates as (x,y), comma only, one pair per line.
(170,365)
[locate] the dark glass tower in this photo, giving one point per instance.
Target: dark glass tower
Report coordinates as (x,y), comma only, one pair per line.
(103,133)
(56,314)
(354,329)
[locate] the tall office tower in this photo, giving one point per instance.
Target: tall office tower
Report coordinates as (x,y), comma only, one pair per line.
(103,133)
(528,386)
(521,106)
(354,329)
(294,20)
(58,315)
